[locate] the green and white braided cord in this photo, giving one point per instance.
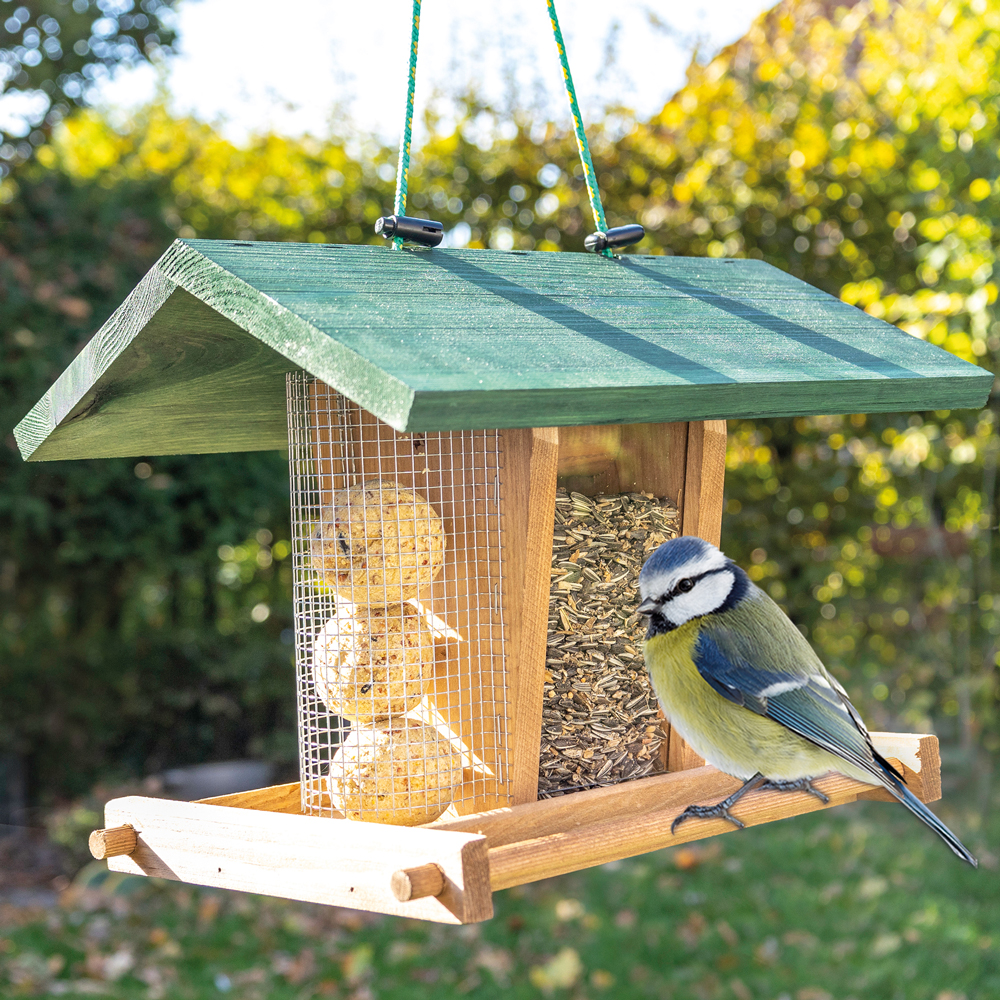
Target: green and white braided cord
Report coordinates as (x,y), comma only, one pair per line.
(403,167)
(581,136)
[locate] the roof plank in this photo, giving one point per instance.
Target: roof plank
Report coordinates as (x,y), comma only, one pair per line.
(447,339)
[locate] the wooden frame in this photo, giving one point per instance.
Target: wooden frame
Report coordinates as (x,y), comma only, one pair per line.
(446,871)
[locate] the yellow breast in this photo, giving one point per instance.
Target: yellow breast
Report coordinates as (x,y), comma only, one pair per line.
(734,739)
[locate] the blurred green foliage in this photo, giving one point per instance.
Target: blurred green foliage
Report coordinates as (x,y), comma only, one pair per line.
(859,903)
(852,145)
(126,640)
(856,146)
(54,52)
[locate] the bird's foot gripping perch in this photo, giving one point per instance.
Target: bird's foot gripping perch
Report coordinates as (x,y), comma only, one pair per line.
(721,809)
(800,785)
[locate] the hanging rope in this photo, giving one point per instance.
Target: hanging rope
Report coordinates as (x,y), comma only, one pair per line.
(429,233)
(581,136)
(403,167)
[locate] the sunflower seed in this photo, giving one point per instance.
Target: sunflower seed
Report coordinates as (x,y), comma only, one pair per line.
(599,709)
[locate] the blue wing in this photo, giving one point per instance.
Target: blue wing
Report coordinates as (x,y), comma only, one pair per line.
(754,656)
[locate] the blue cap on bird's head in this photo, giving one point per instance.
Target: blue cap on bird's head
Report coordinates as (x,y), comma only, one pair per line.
(685,578)
(688,549)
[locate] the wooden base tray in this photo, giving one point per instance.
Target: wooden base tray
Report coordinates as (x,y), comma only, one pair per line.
(259,842)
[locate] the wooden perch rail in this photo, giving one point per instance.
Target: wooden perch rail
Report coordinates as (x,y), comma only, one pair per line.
(257,842)
(595,843)
(565,834)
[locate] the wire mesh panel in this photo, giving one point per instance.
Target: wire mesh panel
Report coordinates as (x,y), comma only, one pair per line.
(399,631)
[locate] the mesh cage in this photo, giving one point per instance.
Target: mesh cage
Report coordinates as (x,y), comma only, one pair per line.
(399,631)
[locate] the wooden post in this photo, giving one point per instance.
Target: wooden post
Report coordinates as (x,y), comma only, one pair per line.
(704,479)
(530,461)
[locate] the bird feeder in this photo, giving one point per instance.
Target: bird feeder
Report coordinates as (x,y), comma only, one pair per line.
(435,405)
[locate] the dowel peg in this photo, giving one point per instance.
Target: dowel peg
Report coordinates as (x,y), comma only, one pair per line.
(415,883)
(113,842)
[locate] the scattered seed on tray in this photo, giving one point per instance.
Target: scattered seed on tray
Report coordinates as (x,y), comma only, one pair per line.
(600,724)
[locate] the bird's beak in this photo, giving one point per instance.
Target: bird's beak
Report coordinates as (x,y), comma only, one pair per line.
(647,607)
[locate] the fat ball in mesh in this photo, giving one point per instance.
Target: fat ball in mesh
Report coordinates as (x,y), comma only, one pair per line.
(406,773)
(372,662)
(378,544)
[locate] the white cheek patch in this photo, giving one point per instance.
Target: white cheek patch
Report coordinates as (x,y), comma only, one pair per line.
(706,596)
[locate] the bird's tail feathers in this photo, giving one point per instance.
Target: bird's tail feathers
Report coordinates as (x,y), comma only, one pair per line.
(908,799)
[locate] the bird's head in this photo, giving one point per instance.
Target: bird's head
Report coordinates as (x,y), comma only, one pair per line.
(687,578)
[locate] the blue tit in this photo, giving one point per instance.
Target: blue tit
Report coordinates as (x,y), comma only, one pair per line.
(746,690)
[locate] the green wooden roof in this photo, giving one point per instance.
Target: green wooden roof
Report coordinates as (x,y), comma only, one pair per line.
(194,359)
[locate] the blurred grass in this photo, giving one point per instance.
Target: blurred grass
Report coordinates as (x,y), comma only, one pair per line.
(859,903)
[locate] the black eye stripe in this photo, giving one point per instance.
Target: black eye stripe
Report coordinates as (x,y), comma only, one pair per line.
(694,580)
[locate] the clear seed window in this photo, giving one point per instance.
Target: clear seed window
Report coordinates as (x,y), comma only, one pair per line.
(399,633)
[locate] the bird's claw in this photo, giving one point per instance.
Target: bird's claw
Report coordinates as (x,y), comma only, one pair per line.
(718,811)
(721,809)
(801,785)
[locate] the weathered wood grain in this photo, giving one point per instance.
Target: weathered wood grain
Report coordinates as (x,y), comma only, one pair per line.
(309,858)
(458,339)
